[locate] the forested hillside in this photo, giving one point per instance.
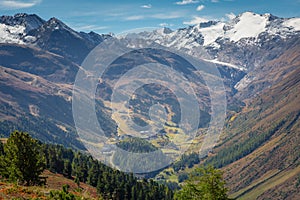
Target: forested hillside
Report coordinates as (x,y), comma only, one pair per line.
(23,159)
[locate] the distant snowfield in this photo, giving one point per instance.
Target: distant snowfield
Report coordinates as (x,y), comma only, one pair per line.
(246,25)
(11,34)
(294,23)
(225,64)
(249,26)
(211,34)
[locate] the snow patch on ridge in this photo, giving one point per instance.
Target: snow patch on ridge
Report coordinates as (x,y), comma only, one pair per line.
(250,25)
(294,23)
(225,64)
(212,33)
(11,34)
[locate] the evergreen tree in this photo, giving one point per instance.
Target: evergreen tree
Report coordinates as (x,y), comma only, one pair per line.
(23,159)
(110,183)
(204,183)
(93,174)
(67,172)
(1,148)
(2,162)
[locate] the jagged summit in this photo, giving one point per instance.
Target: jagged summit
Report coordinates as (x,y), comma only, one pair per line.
(56,24)
(29,21)
(23,28)
(165,30)
(52,35)
(53,25)
(247,27)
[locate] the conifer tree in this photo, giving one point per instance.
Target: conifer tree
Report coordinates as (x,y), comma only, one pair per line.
(205,183)
(23,159)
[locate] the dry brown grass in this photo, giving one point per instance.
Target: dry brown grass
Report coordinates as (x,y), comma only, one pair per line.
(54,182)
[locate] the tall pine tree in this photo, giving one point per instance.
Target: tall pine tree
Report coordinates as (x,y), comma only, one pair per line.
(23,159)
(205,183)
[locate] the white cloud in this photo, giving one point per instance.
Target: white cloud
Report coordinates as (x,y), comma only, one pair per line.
(230,16)
(12,4)
(165,25)
(90,27)
(196,20)
(200,7)
(172,15)
(134,17)
(148,6)
(185,2)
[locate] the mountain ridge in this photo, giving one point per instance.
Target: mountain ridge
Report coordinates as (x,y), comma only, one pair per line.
(259,69)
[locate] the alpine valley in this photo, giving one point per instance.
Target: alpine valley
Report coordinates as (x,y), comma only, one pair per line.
(257,55)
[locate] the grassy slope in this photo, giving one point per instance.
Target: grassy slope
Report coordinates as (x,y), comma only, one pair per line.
(268,183)
(54,182)
(270,170)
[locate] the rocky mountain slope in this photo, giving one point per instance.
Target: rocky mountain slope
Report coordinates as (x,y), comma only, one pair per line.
(39,61)
(52,35)
(259,150)
(258,59)
(245,42)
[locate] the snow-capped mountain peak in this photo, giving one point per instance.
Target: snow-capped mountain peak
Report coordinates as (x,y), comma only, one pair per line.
(245,28)
(293,23)
(14,29)
(29,21)
(55,24)
(164,30)
(12,34)
(249,25)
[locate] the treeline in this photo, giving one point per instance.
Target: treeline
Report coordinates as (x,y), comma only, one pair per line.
(136,145)
(239,150)
(144,158)
(110,183)
(186,160)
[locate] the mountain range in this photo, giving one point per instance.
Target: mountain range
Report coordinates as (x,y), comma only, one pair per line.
(258,57)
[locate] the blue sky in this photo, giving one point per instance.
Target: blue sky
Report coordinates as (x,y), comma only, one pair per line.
(117,16)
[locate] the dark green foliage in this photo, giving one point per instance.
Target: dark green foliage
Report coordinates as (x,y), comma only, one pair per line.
(186,161)
(129,160)
(67,171)
(22,159)
(241,149)
(63,194)
(93,175)
(110,183)
(182,177)
(2,161)
(1,148)
(204,183)
(136,145)
(58,159)
(172,185)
